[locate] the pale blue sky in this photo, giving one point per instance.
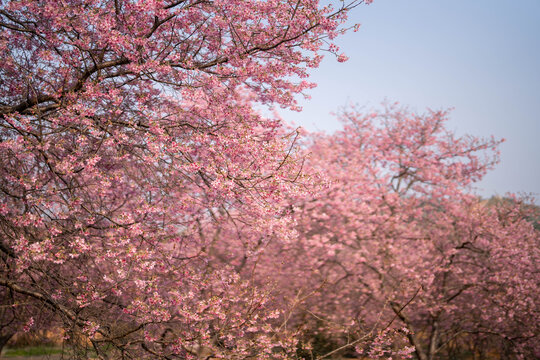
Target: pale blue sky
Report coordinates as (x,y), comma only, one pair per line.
(481,57)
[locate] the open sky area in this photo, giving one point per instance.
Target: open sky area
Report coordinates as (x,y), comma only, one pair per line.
(481,58)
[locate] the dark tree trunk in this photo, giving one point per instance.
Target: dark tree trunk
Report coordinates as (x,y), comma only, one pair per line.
(4,339)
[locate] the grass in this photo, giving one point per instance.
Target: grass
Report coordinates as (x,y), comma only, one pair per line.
(31,351)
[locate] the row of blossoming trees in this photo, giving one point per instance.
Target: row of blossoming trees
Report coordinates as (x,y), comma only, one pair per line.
(147,210)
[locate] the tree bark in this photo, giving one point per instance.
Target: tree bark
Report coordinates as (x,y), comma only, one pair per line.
(420,353)
(4,339)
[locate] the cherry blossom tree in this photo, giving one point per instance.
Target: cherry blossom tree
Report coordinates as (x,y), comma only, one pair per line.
(149,209)
(396,243)
(128,141)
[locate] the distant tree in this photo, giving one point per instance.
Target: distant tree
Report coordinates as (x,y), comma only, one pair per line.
(395,241)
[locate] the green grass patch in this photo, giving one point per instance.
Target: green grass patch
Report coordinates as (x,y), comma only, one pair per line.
(32,351)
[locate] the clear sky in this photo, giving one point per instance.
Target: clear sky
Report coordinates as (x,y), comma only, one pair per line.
(480,57)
